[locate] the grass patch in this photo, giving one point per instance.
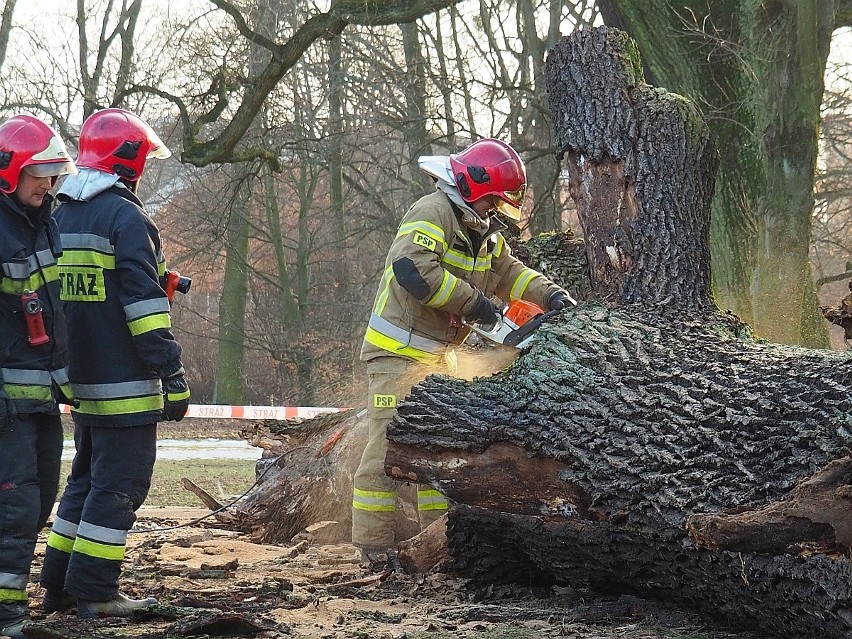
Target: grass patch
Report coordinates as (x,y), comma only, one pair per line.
(224,479)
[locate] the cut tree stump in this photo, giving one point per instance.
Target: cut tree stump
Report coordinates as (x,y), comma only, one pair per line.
(305,477)
(646,443)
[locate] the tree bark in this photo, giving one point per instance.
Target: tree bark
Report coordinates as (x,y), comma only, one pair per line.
(230,385)
(416,139)
(645,442)
(6,27)
(757,69)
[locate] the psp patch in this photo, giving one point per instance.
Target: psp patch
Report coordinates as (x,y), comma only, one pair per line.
(421,239)
(384,401)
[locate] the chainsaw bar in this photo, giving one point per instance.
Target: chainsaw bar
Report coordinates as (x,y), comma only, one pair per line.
(522,333)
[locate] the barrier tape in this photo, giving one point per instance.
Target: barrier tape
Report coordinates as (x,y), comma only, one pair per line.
(217,411)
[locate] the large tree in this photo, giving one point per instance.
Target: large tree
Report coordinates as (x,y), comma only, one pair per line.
(645,442)
(6,27)
(756,68)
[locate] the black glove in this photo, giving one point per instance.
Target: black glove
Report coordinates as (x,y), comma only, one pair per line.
(7,410)
(483,312)
(559,300)
(175,397)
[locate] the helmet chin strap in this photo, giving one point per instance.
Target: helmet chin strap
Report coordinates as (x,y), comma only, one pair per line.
(131,186)
(474,222)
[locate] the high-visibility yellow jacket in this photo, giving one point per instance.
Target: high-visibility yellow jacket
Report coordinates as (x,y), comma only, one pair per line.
(434,268)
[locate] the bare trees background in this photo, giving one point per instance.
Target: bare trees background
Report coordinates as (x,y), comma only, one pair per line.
(296,127)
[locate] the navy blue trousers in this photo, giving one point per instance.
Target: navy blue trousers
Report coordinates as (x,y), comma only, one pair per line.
(110,478)
(30,457)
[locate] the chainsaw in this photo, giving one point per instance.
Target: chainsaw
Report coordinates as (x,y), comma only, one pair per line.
(516,324)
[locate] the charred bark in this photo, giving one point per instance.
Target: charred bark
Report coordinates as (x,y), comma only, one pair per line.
(646,443)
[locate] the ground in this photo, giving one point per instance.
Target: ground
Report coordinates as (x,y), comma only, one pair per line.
(212,582)
(215,582)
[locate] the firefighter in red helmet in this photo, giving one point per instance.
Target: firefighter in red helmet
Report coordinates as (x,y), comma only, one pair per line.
(115,141)
(125,363)
(490,167)
(33,352)
(447,261)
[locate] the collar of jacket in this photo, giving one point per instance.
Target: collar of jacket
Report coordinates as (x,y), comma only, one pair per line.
(88,183)
(39,216)
(493,224)
(466,215)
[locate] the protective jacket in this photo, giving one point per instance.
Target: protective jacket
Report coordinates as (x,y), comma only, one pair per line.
(118,317)
(34,377)
(434,268)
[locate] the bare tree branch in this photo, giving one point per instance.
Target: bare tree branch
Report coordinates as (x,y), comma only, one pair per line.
(322,25)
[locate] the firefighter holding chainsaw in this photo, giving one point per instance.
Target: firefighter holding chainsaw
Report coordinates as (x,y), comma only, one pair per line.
(33,352)
(125,369)
(446,262)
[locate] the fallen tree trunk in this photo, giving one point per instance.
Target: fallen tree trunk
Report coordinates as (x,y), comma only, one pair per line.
(646,443)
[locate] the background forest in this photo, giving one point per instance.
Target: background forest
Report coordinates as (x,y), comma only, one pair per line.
(296,126)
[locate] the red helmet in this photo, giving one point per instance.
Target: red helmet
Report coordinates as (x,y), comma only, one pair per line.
(491,167)
(116,141)
(27,142)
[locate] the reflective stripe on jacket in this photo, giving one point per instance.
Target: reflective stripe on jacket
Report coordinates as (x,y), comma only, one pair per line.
(29,248)
(118,315)
(433,271)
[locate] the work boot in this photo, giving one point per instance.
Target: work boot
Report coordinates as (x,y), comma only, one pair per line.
(120,606)
(379,558)
(14,630)
(57,601)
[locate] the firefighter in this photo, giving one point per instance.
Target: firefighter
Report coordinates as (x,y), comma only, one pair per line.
(33,352)
(446,262)
(125,366)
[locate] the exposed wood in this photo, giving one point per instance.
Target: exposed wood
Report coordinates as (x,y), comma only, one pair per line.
(205,497)
(814,516)
(305,477)
(841,315)
(427,551)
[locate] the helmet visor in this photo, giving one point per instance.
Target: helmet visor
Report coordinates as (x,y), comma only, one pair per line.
(50,169)
(157,148)
(509,202)
(509,210)
(516,196)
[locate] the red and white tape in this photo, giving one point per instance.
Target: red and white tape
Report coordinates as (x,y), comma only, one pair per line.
(219,411)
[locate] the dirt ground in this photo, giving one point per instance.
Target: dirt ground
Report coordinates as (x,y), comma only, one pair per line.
(213,582)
